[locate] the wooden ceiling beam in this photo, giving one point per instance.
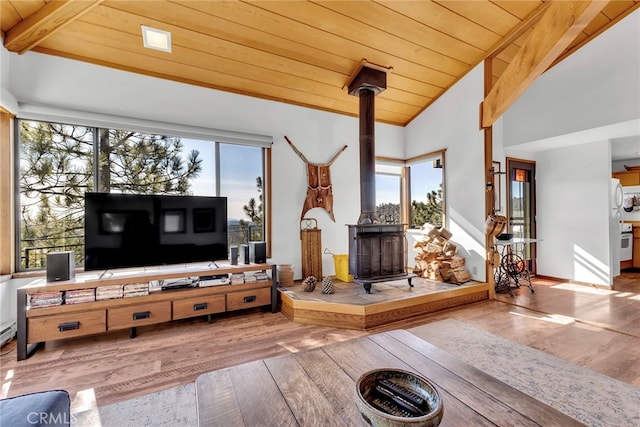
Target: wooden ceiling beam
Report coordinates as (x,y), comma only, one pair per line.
(53,16)
(558,27)
(518,31)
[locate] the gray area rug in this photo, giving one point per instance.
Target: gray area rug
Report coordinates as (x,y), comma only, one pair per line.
(587,396)
(175,406)
(592,398)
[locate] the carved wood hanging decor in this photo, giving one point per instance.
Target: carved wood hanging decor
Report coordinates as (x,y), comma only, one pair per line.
(319,188)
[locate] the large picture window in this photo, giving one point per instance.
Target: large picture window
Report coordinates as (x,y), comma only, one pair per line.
(60,162)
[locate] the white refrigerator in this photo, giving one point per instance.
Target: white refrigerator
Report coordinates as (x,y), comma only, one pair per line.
(615,219)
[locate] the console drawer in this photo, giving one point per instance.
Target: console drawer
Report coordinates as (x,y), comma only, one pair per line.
(59,326)
(246,299)
(198,306)
(139,315)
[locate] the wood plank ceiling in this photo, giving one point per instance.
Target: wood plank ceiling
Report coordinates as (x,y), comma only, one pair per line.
(297,52)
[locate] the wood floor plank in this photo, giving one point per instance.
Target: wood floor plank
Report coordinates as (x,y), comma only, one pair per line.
(259,398)
(178,352)
(336,385)
(303,396)
(356,360)
(212,389)
(473,387)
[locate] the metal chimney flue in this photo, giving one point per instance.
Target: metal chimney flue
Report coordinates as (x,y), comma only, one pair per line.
(366,84)
(377,252)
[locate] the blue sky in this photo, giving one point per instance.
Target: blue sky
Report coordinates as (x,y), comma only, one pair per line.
(240,166)
(424,178)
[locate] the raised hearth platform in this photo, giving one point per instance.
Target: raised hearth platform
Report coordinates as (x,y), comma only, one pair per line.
(352,307)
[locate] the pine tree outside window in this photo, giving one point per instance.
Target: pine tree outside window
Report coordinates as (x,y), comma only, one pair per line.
(56,168)
(427,193)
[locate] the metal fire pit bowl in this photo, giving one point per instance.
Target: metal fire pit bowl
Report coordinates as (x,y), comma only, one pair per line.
(397,398)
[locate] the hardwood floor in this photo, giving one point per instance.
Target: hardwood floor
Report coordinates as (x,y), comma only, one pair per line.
(586,326)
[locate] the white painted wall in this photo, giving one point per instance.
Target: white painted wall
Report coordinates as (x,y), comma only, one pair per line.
(7,100)
(573,213)
(599,85)
(53,81)
(452,123)
(8,298)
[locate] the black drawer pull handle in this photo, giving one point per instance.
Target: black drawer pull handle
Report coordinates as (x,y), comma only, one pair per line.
(252,298)
(202,306)
(68,326)
(141,315)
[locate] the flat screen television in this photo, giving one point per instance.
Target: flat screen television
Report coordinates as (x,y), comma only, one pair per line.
(133,230)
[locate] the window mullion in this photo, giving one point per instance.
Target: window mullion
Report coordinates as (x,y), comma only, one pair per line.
(217,163)
(405,196)
(96,159)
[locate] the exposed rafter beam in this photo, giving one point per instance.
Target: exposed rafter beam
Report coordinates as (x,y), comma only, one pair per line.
(53,16)
(519,30)
(557,28)
(597,33)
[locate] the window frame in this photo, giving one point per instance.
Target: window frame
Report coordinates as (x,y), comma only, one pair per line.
(399,175)
(17,202)
(405,182)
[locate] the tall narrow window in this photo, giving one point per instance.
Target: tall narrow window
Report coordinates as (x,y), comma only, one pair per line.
(427,192)
(56,168)
(242,182)
(388,188)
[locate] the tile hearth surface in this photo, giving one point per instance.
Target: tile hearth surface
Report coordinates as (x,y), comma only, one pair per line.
(354,293)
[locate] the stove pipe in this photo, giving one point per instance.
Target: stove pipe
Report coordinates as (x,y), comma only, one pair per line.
(366,84)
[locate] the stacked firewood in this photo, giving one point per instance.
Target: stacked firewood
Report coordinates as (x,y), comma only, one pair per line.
(436,257)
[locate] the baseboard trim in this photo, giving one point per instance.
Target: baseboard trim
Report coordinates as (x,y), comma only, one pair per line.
(573,282)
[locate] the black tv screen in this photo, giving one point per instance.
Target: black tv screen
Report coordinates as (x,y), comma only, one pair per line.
(133,230)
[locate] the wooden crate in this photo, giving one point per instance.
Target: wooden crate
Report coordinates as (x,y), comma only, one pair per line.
(311,238)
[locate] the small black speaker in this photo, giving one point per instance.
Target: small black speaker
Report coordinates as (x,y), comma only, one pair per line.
(234,254)
(244,254)
(258,252)
(61,266)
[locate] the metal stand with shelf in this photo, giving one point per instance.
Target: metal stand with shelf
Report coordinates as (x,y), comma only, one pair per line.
(512,272)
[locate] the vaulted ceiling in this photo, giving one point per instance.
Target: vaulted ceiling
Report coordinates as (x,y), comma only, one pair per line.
(298,52)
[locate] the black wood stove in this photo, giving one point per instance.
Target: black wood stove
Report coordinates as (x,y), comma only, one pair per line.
(377,251)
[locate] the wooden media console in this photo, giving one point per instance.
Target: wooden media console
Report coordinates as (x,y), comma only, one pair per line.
(37,325)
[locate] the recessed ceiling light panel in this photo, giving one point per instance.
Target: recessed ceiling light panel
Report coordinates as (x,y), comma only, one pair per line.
(156,39)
